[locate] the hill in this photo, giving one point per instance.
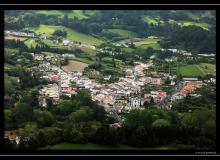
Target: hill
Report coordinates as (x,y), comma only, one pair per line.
(71,34)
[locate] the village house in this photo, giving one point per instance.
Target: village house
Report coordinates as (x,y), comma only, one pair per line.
(135,102)
(49,91)
(120,103)
(116,125)
(189,79)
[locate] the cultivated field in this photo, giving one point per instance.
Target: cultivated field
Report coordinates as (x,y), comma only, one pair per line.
(74,66)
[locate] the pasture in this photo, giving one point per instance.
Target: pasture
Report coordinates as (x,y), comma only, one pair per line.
(71,34)
(122,33)
(147,42)
(201,69)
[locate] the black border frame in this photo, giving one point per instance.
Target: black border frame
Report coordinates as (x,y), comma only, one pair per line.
(104,152)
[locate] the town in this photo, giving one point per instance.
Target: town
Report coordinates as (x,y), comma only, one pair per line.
(120,97)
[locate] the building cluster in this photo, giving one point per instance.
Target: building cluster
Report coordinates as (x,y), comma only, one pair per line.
(67,42)
(24,34)
(121,96)
(189,88)
(181,52)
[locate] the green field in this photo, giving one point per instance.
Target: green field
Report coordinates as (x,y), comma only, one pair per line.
(196,70)
(71,14)
(129,50)
(31,42)
(147,42)
(122,32)
(152,21)
(205,26)
(71,34)
(91,146)
(10,51)
(153,45)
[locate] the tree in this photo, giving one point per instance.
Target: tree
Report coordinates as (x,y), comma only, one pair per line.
(113,61)
(84,97)
(65,107)
(22,113)
(8,124)
(167,81)
(43,118)
(49,136)
(66,61)
(140,136)
(80,115)
(73,132)
(60,33)
(106,136)
(161,123)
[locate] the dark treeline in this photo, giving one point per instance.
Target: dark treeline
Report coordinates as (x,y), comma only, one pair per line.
(192,39)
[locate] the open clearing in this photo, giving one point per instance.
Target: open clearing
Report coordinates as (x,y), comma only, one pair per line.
(151,20)
(71,34)
(74,66)
(31,42)
(91,146)
(205,26)
(196,70)
(147,42)
(122,33)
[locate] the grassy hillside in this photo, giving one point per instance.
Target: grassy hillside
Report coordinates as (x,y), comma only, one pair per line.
(204,26)
(71,14)
(194,22)
(123,33)
(147,42)
(71,34)
(31,42)
(151,20)
(196,70)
